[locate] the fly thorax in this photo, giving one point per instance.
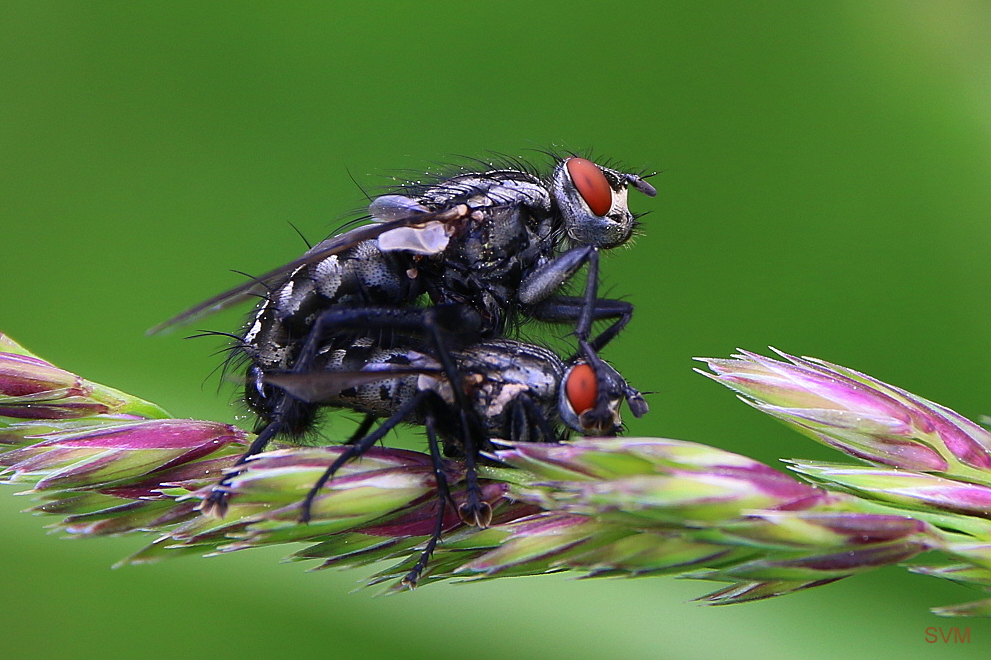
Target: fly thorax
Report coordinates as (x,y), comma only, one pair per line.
(527,192)
(507,232)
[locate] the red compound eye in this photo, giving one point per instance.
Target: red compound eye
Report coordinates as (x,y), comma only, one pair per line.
(582,388)
(591,184)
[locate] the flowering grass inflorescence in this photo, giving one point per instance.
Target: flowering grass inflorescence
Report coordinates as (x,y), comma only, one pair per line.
(107,463)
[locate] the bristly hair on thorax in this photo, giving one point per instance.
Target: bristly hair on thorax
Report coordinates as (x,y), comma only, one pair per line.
(413,182)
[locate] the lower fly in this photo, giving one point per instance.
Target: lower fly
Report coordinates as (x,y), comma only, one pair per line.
(520,392)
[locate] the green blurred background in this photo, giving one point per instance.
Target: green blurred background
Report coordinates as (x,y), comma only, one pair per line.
(824,189)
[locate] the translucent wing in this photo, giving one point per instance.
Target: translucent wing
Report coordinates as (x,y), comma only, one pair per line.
(334,245)
(316,387)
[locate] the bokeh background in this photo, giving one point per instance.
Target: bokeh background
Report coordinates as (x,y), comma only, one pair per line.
(824,189)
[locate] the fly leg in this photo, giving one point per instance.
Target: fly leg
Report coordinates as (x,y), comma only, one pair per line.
(537,291)
(600,415)
(527,423)
(436,324)
(285,407)
(443,497)
(366,425)
(286,412)
(565,309)
(215,503)
(356,450)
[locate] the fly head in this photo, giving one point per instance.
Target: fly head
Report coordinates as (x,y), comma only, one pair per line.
(593,201)
(579,394)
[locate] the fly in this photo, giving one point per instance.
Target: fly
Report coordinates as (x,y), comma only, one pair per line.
(519,391)
(489,249)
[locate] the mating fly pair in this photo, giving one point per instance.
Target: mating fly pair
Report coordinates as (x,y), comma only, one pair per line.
(485,251)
